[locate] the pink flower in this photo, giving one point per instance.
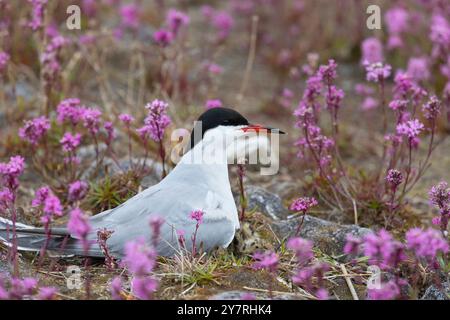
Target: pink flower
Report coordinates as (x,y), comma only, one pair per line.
(303,204)
(372,50)
(129,14)
(163,37)
(70,142)
(352,244)
(334,97)
(267,260)
(410,129)
(34,130)
(383,250)
(223,22)
(394,178)
(6,198)
(78,224)
(77,191)
(432,108)
(139,258)
(126,118)
(4,59)
(369,103)
(426,244)
(70,110)
(47,293)
(52,206)
(418,68)
(11,171)
(157,119)
(116,288)
(40,196)
(377,72)
(328,72)
(302,248)
(398,105)
(110,133)
(197,215)
(37,14)
(387,291)
(91,119)
(144,287)
(397,20)
(176,20)
(363,90)
(215,103)
(440,195)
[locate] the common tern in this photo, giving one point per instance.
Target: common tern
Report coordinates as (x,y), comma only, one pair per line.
(198,182)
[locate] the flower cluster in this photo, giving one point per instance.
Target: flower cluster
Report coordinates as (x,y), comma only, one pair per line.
(397,21)
(4,59)
(70,142)
(197,216)
(70,110)
(156,121)
(79,226)
(371,50)
(175,22)
(38,7)
(215,103)
(129,14)
(302,248)
(10,173)
(34,130)
(410,129)
(377,72)
(383,250)
(77,191)
(432,108)
(440,197)
(306,270)
(50,59)
(12,288)
(140,261)
(303,204)
(126,119)
(426,244)
(394,178)
(221,21)
(266,260)
(91,120)
(49,203)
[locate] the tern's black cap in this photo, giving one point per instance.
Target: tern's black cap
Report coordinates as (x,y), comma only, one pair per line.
(215,117)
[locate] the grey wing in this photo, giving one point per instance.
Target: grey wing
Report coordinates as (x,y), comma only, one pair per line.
(130,220)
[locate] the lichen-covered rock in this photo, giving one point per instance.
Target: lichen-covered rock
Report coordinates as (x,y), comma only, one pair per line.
(328,236)
(434,293)
(266,202)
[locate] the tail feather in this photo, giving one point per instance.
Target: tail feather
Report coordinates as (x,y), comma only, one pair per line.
(59,242)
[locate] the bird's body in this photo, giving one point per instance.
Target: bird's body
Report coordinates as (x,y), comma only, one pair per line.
(191,185)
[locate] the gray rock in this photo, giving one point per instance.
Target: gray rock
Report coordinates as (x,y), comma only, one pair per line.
(268,203)
(434,293)
(237,295)
(330,237)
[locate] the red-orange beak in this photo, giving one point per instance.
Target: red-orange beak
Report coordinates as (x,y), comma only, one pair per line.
(259,128)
